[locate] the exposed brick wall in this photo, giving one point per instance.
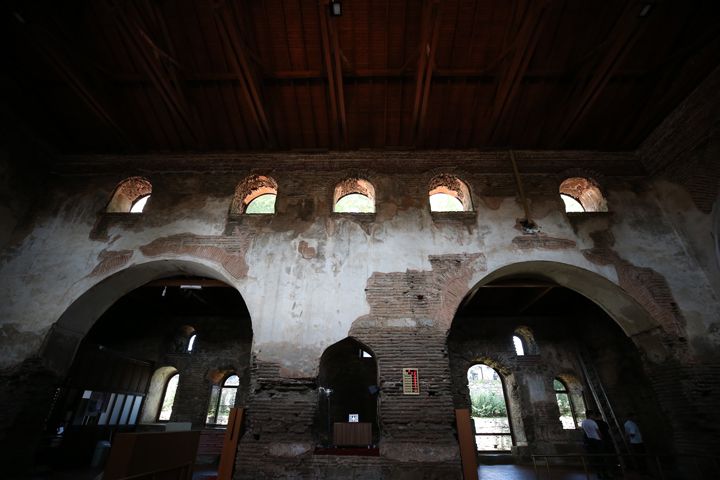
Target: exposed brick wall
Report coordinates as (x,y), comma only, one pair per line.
(685,148)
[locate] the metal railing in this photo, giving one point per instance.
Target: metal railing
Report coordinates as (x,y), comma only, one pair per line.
(662,467)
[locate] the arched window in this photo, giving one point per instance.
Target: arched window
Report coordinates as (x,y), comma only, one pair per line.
(354,195)
(449,194)
(191,343)
(168,398)
(130,196)
(222,399)
(488,409)
(158,392)
(581,194)
(524,341)
(255,195)
(570,403)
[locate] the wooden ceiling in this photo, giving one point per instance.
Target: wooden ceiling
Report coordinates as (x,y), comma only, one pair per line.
(198,75)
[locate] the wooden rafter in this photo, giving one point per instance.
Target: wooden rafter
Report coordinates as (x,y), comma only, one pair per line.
(334,72)
(160,68)
(536,297)
(245,75)
(510,81)
(426,63)
(626,31)
(58,56)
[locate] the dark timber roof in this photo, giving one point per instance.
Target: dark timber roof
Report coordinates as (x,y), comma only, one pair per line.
(119,76)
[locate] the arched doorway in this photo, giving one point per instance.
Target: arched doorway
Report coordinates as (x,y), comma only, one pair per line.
(347,396)
(556,352)
(170,339)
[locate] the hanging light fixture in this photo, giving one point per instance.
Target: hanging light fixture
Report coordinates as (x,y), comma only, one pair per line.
(335,8)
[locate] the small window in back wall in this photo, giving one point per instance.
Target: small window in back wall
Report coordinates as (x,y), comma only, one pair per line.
(255,195)
(449,194)
(581,194)
(130,196)
(354,195)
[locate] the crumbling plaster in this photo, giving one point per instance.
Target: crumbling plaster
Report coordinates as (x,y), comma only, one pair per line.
(301,303)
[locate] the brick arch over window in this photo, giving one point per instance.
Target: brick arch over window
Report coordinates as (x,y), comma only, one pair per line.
(351,186)
(451,185)
(127,193)
(586,192)
(77,320)
(250,189)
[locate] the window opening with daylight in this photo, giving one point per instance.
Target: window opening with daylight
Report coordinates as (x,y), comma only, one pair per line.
(256,195)
(130,196)
(222,399)
(449,194)
(354,195)
(139,204)
(567,402)
(489,410)
(191,343)
(580,194)
(519,348)
(168,398)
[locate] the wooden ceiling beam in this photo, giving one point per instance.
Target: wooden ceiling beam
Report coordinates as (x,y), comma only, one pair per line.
(50,47)
(244,74)
(160,68)
(510,81)
(426,63)
(334,72)
(522,308)
(623,36)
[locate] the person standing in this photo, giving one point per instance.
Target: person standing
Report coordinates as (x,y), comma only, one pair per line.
(594,443)
(635,440)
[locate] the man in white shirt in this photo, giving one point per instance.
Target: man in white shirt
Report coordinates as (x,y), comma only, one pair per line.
(594,443)
(635,441)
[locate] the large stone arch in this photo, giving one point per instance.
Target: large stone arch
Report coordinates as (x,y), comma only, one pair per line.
(632,318)
(62,341)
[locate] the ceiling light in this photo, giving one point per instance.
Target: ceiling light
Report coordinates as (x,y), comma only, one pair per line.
(191,287)
(335,8)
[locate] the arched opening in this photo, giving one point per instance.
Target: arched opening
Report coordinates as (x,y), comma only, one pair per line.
(130,196)
(448,193)
(168,399)
(256,195)
(569,334)
(149,325)
(354,195)
(157,394)
(570,400)
(581,194)
(222,399)
(488,409)
(347,396)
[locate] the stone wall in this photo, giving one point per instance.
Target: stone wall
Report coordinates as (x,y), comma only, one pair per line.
(393,280)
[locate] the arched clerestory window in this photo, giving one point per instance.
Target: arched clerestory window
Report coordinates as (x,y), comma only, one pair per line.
(448,193)
(489,409)
(354,195)
(168,398)
(222,399)
(256,195)
(580,194)
(524,341)
(130,196)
